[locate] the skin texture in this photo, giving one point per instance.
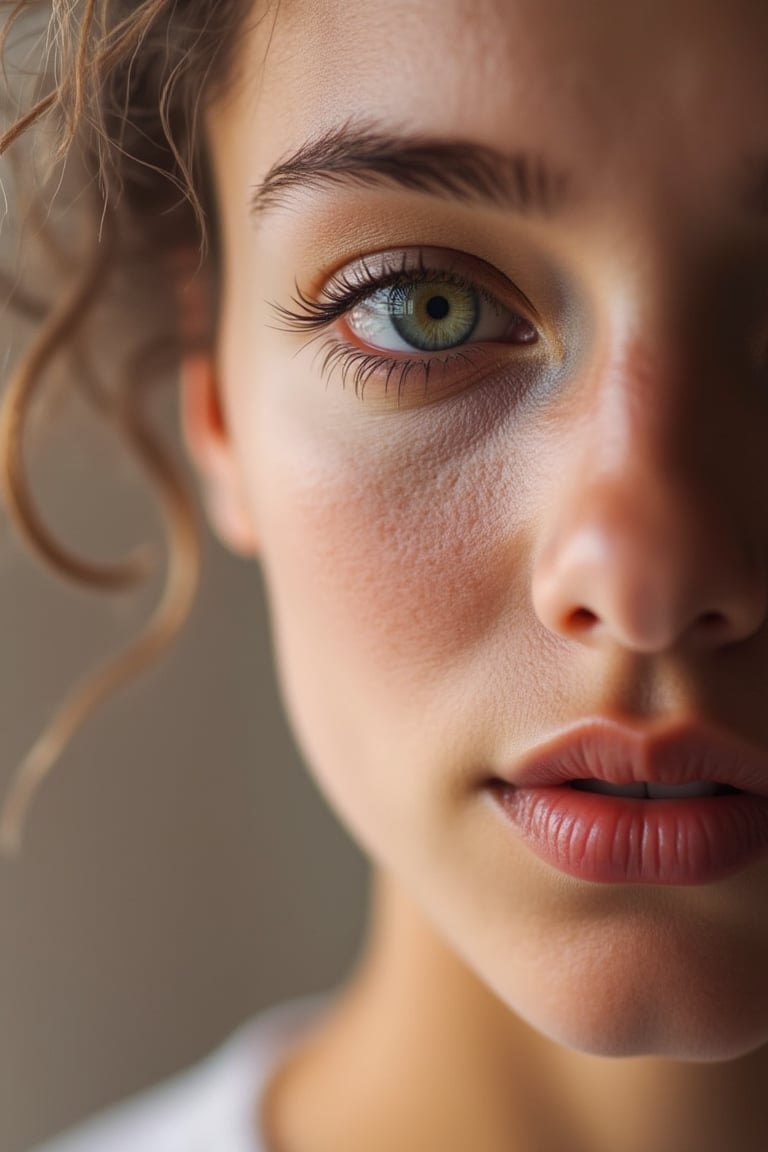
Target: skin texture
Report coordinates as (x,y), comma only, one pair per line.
(571,529)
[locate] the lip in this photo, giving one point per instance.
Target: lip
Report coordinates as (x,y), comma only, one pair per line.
(613,839)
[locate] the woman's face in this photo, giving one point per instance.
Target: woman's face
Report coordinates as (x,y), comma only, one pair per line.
(523,482)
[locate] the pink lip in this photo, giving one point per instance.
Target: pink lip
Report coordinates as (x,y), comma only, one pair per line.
(613,839)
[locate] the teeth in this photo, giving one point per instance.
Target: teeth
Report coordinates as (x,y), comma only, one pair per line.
(650,791)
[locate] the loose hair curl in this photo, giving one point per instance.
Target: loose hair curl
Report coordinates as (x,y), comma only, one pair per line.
(118,98)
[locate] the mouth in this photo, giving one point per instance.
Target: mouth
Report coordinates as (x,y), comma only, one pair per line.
(654,791)
(609,803)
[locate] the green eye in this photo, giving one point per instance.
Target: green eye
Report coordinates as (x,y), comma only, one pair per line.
(433,316)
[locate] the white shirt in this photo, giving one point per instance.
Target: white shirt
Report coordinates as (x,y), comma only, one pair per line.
(211,1106)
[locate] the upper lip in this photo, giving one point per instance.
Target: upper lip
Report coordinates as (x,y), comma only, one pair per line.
(602,749)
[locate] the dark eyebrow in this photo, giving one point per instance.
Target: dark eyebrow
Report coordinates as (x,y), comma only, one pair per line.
(454,169)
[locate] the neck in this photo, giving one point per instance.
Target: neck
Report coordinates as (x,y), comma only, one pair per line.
(418,1053)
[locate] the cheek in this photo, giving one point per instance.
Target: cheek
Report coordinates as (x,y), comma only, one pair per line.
(392,563)
(383,574)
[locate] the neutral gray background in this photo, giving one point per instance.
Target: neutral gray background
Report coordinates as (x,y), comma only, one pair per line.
(180,870)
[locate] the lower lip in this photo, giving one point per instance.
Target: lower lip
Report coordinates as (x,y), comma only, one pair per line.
(616,840)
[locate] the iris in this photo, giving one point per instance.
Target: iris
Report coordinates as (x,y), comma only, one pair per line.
(433,316)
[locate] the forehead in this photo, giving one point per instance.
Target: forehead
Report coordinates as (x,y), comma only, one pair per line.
(676,77)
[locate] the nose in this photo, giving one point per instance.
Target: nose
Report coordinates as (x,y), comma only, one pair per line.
(647,539)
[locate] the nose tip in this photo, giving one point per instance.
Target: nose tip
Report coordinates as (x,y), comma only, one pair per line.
(647,574)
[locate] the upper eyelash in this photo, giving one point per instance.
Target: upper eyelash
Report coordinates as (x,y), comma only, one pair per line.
(342,292)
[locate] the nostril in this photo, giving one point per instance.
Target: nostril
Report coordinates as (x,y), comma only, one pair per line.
(581,620)
(711,627)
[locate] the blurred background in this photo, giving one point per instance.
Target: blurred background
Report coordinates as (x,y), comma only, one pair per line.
(179,870)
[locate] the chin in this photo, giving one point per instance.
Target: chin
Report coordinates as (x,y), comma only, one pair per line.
(701,1041)
(680,1018)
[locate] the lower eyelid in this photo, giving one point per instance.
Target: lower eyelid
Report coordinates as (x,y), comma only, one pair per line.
(389,383)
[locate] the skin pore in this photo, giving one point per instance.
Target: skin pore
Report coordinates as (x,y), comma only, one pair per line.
(462,560)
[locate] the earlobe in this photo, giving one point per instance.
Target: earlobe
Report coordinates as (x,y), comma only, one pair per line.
(212,454)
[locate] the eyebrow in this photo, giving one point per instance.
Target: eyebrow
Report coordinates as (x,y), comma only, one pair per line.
(459,170)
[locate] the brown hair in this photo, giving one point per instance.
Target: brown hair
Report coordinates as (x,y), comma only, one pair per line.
(117,100)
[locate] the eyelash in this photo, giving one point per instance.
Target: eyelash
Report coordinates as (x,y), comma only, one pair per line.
(339,296)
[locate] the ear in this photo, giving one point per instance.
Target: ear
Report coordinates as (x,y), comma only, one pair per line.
(212,454)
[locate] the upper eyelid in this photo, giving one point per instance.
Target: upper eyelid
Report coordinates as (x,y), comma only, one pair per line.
(339,292)
(447,262)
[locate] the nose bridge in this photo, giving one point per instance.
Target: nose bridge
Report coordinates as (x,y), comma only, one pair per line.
(646,543)
(634,417)
(647,432)
(651,439)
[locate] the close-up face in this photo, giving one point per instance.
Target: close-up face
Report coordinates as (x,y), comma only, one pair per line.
(493,356)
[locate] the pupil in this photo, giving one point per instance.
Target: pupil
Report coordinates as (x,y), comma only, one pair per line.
(438,307)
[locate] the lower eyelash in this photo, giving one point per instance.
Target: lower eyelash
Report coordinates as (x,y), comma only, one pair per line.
(360,366)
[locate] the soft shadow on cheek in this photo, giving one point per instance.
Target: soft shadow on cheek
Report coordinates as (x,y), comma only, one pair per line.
(383,604)
(390,559)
